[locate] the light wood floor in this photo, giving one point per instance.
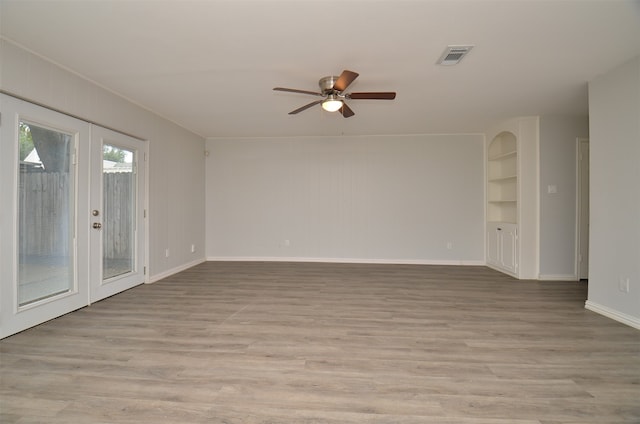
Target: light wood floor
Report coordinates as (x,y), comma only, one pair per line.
(327,343)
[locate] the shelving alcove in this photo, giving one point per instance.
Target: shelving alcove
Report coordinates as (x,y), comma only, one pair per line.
(502,203)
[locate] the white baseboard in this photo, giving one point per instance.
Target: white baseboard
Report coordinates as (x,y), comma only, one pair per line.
(170,272)
(613,314)
(344,260)
(558,277)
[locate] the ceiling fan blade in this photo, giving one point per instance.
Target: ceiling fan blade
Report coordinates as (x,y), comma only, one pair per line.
(389,95)
(345,79)
(305,107)
(294,90)
(346,111)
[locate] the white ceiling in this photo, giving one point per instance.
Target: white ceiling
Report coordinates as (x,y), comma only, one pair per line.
(210,66)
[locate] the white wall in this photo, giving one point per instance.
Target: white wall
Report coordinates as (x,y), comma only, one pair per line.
(382,198)
(176,160)
(614,120)
(558,155)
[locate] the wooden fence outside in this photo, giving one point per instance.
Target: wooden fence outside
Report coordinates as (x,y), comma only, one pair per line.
(45,222)
(118,217)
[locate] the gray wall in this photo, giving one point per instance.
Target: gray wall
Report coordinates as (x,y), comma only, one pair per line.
(558,152)
(614,111)
(382,198)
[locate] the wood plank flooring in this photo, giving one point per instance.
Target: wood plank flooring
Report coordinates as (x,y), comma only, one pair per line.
(327,343)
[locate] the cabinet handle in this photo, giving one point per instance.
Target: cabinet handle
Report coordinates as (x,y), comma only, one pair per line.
(499,229)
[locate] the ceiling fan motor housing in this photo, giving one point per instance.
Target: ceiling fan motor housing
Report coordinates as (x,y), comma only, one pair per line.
(326,84)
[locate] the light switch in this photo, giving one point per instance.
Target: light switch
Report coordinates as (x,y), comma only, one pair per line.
(552,189)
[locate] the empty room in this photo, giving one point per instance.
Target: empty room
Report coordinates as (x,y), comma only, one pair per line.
(277,211)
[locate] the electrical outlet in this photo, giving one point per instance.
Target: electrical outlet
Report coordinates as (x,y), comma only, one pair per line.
(193,248)
(623,284)
(166,253)
(287,243)
(449,245)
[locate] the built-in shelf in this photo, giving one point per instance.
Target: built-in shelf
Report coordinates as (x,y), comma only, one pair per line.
(504,179)
(501,156)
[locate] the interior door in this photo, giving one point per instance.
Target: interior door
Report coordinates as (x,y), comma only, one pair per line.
(117,213)
(44,237)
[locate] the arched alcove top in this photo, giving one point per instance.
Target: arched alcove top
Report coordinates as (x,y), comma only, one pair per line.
(503,144)
(502,179)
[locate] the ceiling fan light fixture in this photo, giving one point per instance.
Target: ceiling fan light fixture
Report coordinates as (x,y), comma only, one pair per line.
(332,104)
(333,92)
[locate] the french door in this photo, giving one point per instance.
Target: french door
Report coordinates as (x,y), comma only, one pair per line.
(117,213)
(56,254)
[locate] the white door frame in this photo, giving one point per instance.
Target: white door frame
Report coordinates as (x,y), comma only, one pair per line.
(580,225)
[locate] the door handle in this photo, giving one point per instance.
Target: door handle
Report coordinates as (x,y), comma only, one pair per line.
(97,225)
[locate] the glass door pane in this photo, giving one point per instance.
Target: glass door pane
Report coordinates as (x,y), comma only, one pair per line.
(119,205)
(45,210)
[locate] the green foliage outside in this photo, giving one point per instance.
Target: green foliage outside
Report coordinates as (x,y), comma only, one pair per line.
(113,154)
(26,146)
(26,141)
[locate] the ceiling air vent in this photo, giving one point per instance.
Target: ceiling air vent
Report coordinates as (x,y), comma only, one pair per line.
(453,54)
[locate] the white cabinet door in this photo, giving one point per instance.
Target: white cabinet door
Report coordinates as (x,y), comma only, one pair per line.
(493,245)
(508,247)
(502,247)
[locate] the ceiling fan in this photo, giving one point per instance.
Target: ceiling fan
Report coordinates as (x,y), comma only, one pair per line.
(333,91)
